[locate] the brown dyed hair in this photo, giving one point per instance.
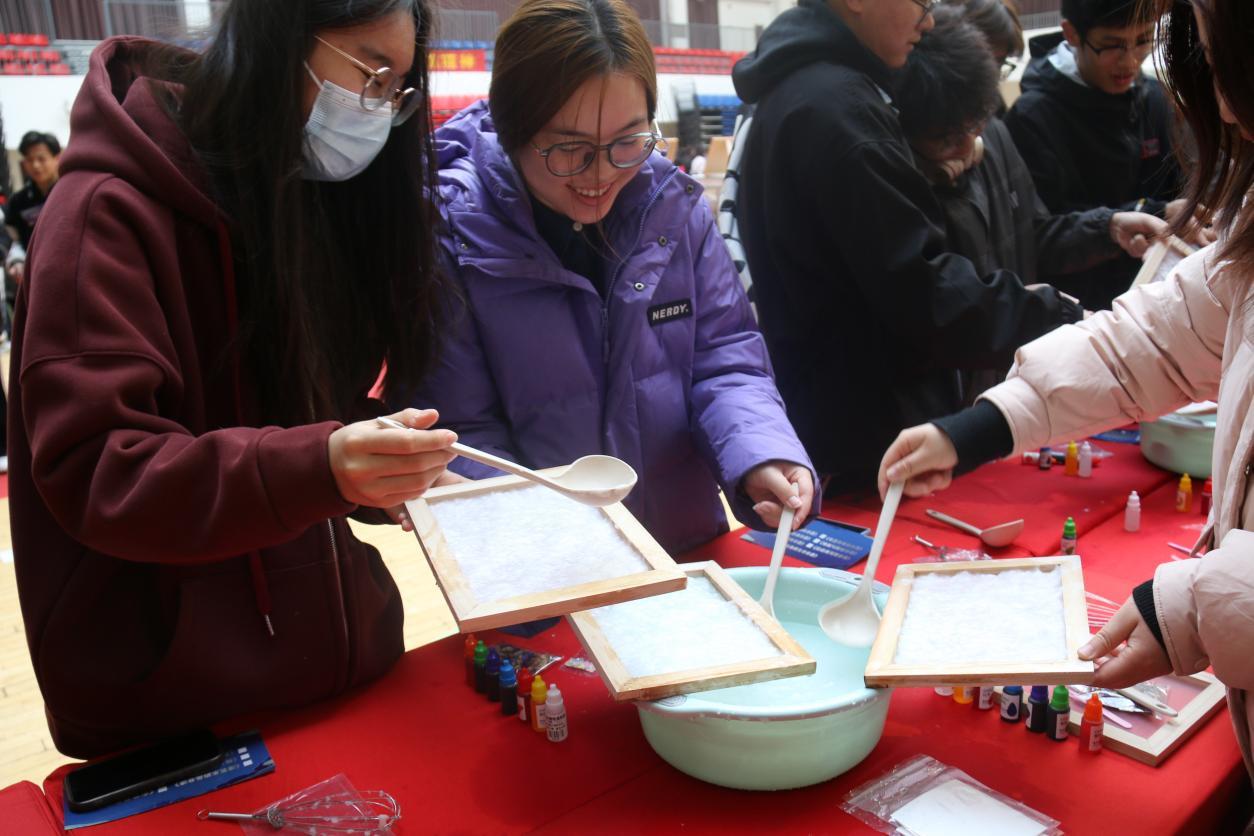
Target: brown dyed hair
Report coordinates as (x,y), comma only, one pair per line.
(549,48)
(1223,173)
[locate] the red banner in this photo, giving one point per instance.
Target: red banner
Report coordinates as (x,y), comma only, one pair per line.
(457,60)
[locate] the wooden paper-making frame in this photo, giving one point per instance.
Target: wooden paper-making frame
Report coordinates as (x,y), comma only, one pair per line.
(883,672)
(1154,256)
(471,614)
(792,661)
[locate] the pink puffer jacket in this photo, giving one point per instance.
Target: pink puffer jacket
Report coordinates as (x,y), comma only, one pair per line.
(1189,338)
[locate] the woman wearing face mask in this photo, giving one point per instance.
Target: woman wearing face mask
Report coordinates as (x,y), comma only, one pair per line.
(1184,339)
(603,313)
(236,245)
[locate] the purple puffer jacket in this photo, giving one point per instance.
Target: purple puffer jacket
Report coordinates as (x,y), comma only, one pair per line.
(669,372)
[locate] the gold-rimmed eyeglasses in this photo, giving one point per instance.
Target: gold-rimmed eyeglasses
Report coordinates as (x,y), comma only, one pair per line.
(383,86)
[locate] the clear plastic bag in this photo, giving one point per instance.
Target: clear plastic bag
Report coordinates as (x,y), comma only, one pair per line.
(924,797)
(330,807)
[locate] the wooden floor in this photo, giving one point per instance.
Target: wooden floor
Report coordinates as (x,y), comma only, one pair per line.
(26,751)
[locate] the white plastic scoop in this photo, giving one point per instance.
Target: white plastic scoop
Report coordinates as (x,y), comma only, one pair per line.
(854,620)
(777,558)
(591,480)
(997,536)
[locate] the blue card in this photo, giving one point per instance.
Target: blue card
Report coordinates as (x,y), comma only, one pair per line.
(825,543)
(245,756)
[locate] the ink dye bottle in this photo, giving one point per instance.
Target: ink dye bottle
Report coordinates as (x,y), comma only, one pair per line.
(1092,726)
(555,725)
(1132,514)
(481,668)
(1058,714)
(1067,544)
(538,693)
(524,695)
(508,688)
(1012,703)
(469,656)
(1038,703)
(492,674)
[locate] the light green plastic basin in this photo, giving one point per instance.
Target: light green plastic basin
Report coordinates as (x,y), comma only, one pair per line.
(786,733)
(1180,444)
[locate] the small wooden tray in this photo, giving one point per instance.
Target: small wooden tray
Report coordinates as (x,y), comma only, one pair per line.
(881,670)
(793,661)
(1151,739)
(472,614)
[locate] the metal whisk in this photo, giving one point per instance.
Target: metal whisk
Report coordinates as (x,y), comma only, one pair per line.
(371,812)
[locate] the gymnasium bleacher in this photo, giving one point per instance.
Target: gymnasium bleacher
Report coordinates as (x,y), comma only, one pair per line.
(30,54)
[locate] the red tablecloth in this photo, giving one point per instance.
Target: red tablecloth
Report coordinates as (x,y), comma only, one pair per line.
(25,810)
(457,766)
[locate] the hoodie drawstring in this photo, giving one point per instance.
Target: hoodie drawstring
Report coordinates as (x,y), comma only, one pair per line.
(261,588)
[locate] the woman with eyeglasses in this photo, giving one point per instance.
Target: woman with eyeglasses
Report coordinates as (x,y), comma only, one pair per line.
(237,244)
(602,313)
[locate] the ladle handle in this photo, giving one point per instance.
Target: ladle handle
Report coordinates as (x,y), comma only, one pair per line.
(958,524)
(477,455)
(891,500)
(495,461)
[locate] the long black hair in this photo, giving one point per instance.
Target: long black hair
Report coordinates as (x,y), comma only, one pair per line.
(334,279)
(1222,176)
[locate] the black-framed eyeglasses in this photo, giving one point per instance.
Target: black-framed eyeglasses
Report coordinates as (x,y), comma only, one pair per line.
(1121,50)
(566,159)
(928,6)
(383,86)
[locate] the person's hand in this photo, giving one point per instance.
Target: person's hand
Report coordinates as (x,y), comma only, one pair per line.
(1141,658)
(923,457)
(1198,233)
(382,467)
(770,485)
(17,271)
(1134,231)
(400,515)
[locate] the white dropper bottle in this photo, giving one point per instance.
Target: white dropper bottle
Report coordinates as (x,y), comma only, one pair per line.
(555,715)
(1132,514)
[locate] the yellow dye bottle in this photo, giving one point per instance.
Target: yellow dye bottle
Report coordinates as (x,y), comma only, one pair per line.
(1184,494)
(1072,466)
(539,693)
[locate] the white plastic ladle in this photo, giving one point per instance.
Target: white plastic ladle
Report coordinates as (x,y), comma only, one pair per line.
(777,557)
(854,620)
(593,480)
(997,536)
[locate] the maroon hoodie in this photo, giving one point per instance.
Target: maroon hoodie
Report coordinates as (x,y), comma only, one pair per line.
(152,524)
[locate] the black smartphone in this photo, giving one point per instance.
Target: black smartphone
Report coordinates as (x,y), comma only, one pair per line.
(140,770)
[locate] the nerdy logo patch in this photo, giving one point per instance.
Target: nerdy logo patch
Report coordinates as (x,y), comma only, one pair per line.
(667,311)
(1150,148)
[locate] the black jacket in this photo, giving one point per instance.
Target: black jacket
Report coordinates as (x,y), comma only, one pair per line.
(994,217)
(867,316)
(1086,148)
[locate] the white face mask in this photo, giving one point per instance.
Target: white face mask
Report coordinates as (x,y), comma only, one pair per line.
(341,137)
